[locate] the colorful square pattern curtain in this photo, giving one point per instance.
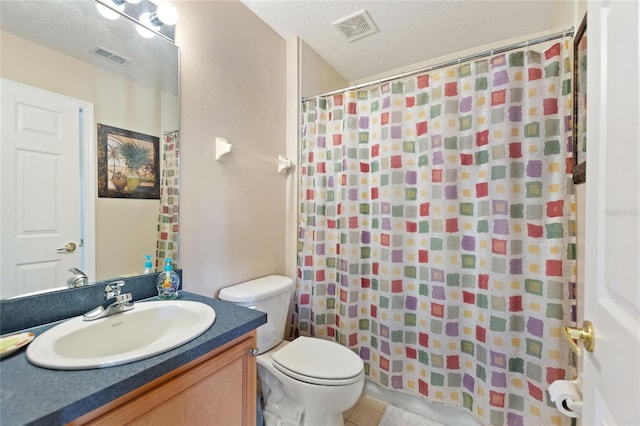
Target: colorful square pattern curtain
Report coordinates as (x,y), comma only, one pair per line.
(167,243)
(437,232)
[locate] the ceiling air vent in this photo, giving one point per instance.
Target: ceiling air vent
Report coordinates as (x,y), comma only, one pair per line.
(356,26)
(113,57)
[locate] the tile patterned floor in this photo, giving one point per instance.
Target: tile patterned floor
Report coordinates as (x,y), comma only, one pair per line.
(366,412)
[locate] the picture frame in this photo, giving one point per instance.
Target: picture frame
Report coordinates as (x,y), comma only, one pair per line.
(580,104)
(128,164)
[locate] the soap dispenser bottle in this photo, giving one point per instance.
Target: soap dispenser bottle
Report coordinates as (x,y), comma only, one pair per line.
(148,266)
(168,282)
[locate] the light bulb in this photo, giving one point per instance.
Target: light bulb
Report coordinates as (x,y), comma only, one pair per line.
(108,12)
(142,30)
(166,14)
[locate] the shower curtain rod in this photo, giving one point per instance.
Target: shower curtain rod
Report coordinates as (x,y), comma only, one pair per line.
(468,58)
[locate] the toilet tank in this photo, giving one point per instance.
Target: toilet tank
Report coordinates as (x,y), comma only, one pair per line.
(270,294)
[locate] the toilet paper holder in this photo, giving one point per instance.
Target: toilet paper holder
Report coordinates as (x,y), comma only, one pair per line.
(567,395)
(586,335)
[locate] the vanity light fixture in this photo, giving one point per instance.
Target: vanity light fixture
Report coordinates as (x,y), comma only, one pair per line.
(151,16)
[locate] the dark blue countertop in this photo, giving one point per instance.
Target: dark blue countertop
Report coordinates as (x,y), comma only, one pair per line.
(31,395)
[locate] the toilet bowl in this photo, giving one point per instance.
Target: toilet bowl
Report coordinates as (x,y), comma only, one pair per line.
(306,382)
(315,381)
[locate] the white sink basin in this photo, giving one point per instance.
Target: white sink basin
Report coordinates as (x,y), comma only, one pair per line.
(149,329)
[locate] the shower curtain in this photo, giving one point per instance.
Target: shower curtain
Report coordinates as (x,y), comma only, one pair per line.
(167,243)
(436,232)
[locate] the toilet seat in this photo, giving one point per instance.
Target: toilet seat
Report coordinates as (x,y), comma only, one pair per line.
(318,361)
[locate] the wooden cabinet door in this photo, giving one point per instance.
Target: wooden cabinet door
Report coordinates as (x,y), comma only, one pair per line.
(217,389)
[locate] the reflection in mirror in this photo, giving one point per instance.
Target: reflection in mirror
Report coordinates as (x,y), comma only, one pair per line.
(65,52)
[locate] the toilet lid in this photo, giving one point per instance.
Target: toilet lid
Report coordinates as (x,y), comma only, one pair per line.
(318,361)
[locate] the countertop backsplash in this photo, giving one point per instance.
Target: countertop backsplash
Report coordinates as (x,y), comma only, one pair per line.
(39,309)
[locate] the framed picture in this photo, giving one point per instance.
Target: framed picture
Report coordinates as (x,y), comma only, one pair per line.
(128,164)
(580,104)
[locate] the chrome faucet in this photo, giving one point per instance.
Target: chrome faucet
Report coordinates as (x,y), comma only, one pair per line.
(114,303)
(79,278)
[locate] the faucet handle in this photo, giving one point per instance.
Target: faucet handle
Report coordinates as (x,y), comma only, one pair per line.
(124,298)
(113,289)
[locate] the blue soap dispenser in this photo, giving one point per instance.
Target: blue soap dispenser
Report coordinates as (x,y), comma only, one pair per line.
(168,282)
(148,266)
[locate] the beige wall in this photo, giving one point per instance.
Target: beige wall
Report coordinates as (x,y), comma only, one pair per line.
(317,76)
(233,85)
(125,229)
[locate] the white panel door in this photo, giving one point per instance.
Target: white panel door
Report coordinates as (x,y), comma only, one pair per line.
(40,177)
(612,254)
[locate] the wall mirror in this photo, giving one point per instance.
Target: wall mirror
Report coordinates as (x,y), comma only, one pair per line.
(128,82)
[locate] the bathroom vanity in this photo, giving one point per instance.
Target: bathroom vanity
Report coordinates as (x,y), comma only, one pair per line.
(217,388)
(209,380)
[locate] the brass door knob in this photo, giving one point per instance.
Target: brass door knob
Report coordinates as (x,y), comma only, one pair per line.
(586,335)
(68,248)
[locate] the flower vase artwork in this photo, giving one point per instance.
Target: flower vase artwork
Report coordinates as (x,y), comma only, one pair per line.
(135,157)
(127,164)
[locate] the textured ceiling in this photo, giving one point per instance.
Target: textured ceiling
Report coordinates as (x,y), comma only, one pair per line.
(409,31)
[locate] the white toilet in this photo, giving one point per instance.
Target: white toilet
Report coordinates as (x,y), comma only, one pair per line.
(308,381)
